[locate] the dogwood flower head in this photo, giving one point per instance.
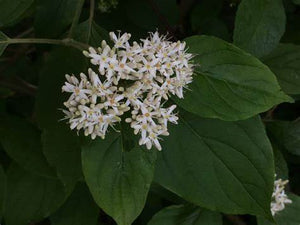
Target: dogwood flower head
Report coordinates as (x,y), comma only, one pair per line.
(93,105)
(279,197)
(139,77)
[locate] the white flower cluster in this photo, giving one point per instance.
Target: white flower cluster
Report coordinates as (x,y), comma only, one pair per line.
(138,77)
(279,198)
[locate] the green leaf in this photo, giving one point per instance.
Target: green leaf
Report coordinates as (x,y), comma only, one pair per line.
(289,216)
(94,38)
(79,209)
(259,26)
(30,198)
(281,167)
(22,142)
(2,189)
(54,16)
(12,10)
(61,61)
(185,215)
(292,137)
(284,61)
(61,147)
(226,166)
(229,84)
(287,134)
(3,43)
(119,180)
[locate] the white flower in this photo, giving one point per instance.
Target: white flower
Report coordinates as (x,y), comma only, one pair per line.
(120,41)
(134,77)
(75,87)
(279,197)
(149,66)
(168,116)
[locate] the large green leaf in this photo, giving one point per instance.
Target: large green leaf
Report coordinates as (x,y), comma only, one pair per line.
(222,166)
(3,43)
(29,197)
(79,209)
(54,16)
(61,147)
(2,189)
(185,215)
(289,216)
(22,142)
(228,83)
(61,61)
(12,10)
(259,25)
(119,180)
(284,61)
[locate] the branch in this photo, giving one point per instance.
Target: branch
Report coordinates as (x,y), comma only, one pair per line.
(65,42)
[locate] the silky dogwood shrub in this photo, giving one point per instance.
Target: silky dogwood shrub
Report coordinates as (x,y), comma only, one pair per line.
(149,129)
(137,78)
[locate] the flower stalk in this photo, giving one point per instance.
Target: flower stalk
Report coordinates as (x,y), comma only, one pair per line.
(65,42)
